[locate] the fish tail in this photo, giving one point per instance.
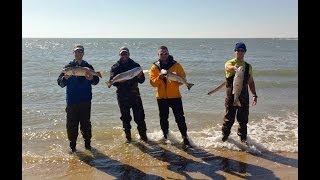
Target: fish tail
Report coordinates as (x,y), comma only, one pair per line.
(234,103)
(109,83)
(99,74)
(189,85)
(146,71)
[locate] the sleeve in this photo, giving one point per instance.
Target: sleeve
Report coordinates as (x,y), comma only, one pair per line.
(62,82)
(95,79)
(112,75)
(142,78)
(227,64)
(154,76)
(181,71)
(250,71)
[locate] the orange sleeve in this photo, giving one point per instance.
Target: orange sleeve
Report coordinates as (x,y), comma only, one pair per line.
(154,76)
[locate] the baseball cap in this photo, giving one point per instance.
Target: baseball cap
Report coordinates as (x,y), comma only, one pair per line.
(78,46)
(240,45)
(123,49)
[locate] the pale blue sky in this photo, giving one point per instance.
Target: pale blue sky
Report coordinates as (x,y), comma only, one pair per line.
(159,19)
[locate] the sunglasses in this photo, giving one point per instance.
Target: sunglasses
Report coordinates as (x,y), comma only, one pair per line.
(163,54)
(79,51)
(124,54)
(240,50)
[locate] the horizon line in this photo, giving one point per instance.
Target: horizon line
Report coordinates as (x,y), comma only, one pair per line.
(160,37)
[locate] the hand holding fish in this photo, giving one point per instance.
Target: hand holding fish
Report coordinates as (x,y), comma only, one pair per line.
(66,76)
(140,74)
(163,72)
(88,75)
(235,67)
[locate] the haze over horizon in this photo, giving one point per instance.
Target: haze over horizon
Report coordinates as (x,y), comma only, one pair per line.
(165,19)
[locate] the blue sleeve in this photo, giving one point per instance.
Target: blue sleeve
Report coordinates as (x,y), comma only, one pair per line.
(62,82)
(95,79)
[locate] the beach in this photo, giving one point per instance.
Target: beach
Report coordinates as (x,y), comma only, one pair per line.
(154,160)
(272,134)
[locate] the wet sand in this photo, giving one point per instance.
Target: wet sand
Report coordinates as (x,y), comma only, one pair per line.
(154,160)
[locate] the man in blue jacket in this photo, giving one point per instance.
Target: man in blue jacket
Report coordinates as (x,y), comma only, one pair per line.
(78,98)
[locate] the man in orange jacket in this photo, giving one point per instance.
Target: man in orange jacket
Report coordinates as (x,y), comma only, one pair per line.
(168,94)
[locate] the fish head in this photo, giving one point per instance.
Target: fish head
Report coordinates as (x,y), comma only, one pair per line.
(66,70)
(240,69)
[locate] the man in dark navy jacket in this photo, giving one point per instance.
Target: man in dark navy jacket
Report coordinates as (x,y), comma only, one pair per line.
(128,95)
(78,97)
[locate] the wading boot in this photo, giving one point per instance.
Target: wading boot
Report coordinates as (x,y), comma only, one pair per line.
(143,136)
(128,136)
(87,144)
(186,142)
(73,146)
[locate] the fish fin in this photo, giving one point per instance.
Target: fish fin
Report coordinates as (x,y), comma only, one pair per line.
(109,84)
(189,85)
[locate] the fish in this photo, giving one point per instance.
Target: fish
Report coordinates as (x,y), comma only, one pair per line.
(174,77)
(237,85)
(81,71)
(217,88)
(124,76)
